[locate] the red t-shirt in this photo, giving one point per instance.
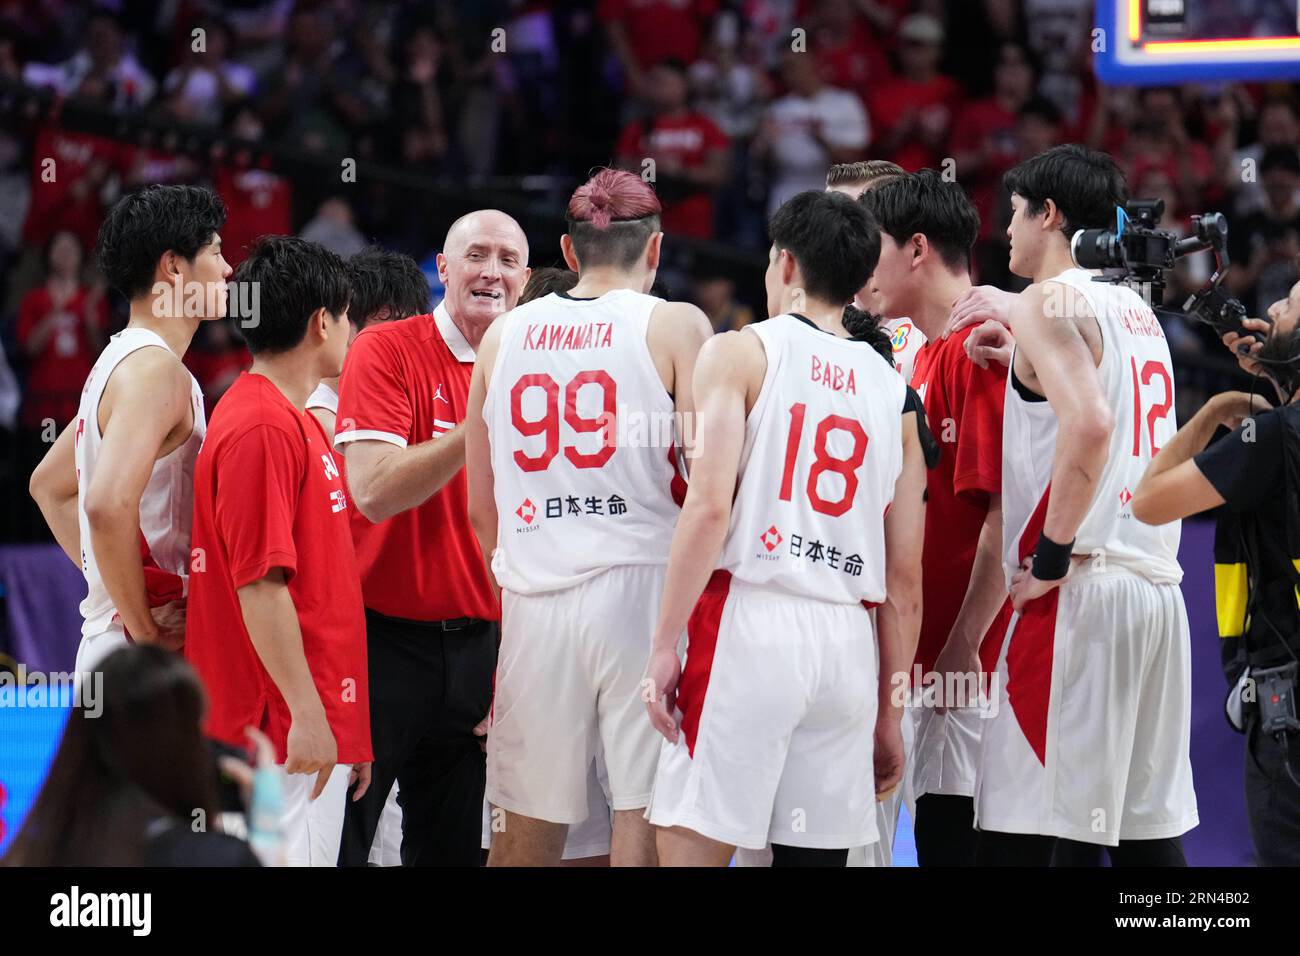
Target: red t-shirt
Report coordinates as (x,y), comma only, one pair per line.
(891,101)
(963,406)
(686,140)
(57,374)
(268,494)
(661,29)
(407,382)
(61,195)
(258,204)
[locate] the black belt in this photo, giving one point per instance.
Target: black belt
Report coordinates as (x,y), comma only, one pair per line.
(450,624)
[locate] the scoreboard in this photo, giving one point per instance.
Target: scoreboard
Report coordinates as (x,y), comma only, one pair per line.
(1154,42)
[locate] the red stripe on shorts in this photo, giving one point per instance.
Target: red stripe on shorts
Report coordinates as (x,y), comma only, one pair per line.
(702,635)
(1029,654)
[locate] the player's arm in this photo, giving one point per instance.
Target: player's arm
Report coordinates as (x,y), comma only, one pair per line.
(149,397)
(478,451)
(727,366)
(385,475)
(53,487)
(898,619)
(1174,486)
(272,622)
(1064,366)
(677,332)
(326,419)
(985,594)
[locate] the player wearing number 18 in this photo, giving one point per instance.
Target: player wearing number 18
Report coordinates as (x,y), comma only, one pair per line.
(804,509)
(571,459)
(1091,738)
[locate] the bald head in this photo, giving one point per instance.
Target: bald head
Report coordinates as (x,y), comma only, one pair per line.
(483,266)
(485,222)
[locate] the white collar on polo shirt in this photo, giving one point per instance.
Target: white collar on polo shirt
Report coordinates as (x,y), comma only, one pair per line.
(452,335)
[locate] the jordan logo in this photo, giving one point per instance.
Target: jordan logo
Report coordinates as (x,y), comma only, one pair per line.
(438,396)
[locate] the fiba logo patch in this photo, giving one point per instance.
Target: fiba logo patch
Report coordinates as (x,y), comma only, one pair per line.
(527,511)
(899,339)
(771,538)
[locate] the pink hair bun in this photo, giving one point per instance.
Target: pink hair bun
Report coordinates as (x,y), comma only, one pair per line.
(613,195)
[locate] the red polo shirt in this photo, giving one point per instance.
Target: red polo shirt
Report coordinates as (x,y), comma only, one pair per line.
(268,493)
(963,406)
(404,383)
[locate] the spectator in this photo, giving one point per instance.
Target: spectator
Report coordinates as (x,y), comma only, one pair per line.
(71,176)
(1159,137)
(850,53)
(1264,244)
(688,150)
(716,296)
(207,81)
(101,70)
(258,202)
(62,325)
(418,114)
(984,144)
(127,786)
(808,129)
(644,33)
(916,110)
(1276,126)
(311,100)
(334,227)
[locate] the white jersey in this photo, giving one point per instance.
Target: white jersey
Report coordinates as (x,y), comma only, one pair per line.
(906,340)
(1137,378)
(324,397)
(823,449)
(582,435)
(167,505)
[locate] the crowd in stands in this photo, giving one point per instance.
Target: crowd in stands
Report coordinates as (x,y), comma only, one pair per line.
(730,106)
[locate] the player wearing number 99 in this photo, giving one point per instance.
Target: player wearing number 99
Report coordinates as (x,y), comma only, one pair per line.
(1090,740)
(804,510)
(571,459)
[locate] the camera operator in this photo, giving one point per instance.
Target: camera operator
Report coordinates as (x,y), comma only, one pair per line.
(1255,472)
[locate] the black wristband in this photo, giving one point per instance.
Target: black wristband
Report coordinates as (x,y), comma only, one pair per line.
(1051,560)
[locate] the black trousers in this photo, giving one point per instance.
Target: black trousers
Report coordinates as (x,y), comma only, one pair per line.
(945,830)
(429,687)
(1273,797)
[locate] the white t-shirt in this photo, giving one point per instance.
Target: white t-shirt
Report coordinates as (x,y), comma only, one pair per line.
(800,160)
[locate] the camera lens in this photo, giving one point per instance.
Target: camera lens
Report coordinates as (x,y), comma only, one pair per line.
(1095,249)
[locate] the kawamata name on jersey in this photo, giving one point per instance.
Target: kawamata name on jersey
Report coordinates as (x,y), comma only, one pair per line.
(593,335)
(1142,322)
(833,377)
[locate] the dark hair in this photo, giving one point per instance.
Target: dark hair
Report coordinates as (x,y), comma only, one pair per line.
(145,224)
(834,240)
(925,202)
(1279,99)
(674,65)
(546,280)
(294,277)
(611,218)
(1280,157)
(1040,107)
(865,327)
(116,773)
(382,279)
(862,173)
(1085,184)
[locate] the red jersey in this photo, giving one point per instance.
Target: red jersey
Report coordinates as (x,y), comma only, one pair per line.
(268,494)
(687,141)
(57,373)
(258,204)
(404,383)
(661,29)
(62,197)
(935,100)
(963,406)
(989,124)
